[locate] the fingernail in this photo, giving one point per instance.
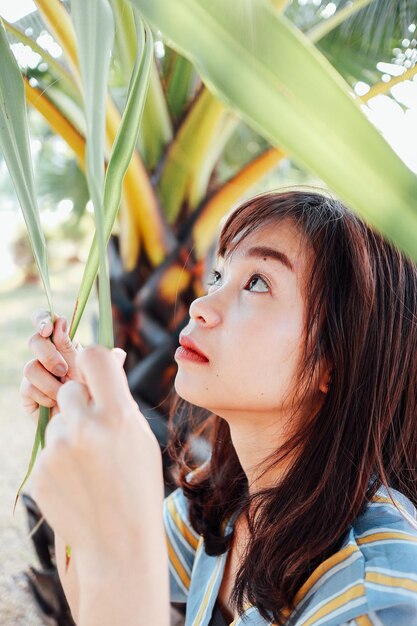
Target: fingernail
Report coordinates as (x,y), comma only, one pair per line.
(41,326)
(60,370)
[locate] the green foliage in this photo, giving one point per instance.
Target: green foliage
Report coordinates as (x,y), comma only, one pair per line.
(266,83)
(257,63)
(106,190)
(118,162)
(94,27)
(371,36)
(14,144)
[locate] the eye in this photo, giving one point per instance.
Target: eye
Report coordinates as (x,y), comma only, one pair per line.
(257,284)
(214,278)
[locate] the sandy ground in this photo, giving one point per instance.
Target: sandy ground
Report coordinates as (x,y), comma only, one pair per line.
(17,607)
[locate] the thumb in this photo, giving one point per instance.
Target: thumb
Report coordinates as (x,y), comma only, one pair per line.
(102,372)
(120,355)
(65,346)
(73,399)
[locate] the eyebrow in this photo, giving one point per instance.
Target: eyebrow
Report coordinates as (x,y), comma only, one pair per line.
(271,253)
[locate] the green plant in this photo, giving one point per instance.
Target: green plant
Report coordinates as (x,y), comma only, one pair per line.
(259,68)
(274,75)
(105,189)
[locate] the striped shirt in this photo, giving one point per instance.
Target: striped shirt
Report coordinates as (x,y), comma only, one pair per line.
(370,581)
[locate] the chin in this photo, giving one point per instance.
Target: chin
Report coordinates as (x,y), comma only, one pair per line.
(190,394)
(185,391)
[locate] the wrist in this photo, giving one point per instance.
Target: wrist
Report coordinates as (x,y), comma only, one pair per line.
(121,536)
(132,591)
(120,551)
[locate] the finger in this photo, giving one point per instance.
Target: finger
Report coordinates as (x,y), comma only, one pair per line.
(29,404)
(46,352)
(65,346)
(33,397)
(42,322)
(120,355)
(36,374)
(54,410)
(77,345)
(73,399)
(78,348)
(56,430)
(31,407)
(105,379)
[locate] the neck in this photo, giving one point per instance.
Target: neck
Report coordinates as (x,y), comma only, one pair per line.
(255,439)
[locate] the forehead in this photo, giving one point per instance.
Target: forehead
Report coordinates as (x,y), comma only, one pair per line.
(282,235)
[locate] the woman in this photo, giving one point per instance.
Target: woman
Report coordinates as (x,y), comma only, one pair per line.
(303,356)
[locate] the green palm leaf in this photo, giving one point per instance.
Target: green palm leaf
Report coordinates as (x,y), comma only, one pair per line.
(14,144)
(370,37)
(179,82)
(94,27)
(259,64)
(119,159)
(377,25)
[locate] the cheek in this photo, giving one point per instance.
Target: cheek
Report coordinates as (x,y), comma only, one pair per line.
(260,375)
(267,348)
(263,381)
(255,367)
(266,363)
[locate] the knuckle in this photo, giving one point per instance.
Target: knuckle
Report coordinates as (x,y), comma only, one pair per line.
(50,362)
(94,352)
(23,387)
(65,344)
(26,389)
(31,408)
(28,368)
(32,342)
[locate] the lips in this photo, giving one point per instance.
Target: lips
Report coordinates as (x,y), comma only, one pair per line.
(190,346)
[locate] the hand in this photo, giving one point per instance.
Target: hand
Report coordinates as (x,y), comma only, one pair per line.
(99,479)
(53,365)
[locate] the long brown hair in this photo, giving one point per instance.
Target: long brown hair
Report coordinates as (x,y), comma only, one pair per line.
(362,317)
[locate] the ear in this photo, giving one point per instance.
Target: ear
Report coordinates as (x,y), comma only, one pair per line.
(325,380)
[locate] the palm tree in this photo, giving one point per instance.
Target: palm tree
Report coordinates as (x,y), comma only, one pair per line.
(197,157)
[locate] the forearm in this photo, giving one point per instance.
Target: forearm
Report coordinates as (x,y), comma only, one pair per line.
(132,590)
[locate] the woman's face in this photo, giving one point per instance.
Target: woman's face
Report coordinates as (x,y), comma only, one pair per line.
(250,326)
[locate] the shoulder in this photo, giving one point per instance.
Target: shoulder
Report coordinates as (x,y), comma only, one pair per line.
(374,572)
(386,535)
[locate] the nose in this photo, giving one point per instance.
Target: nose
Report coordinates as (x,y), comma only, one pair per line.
(204,312)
